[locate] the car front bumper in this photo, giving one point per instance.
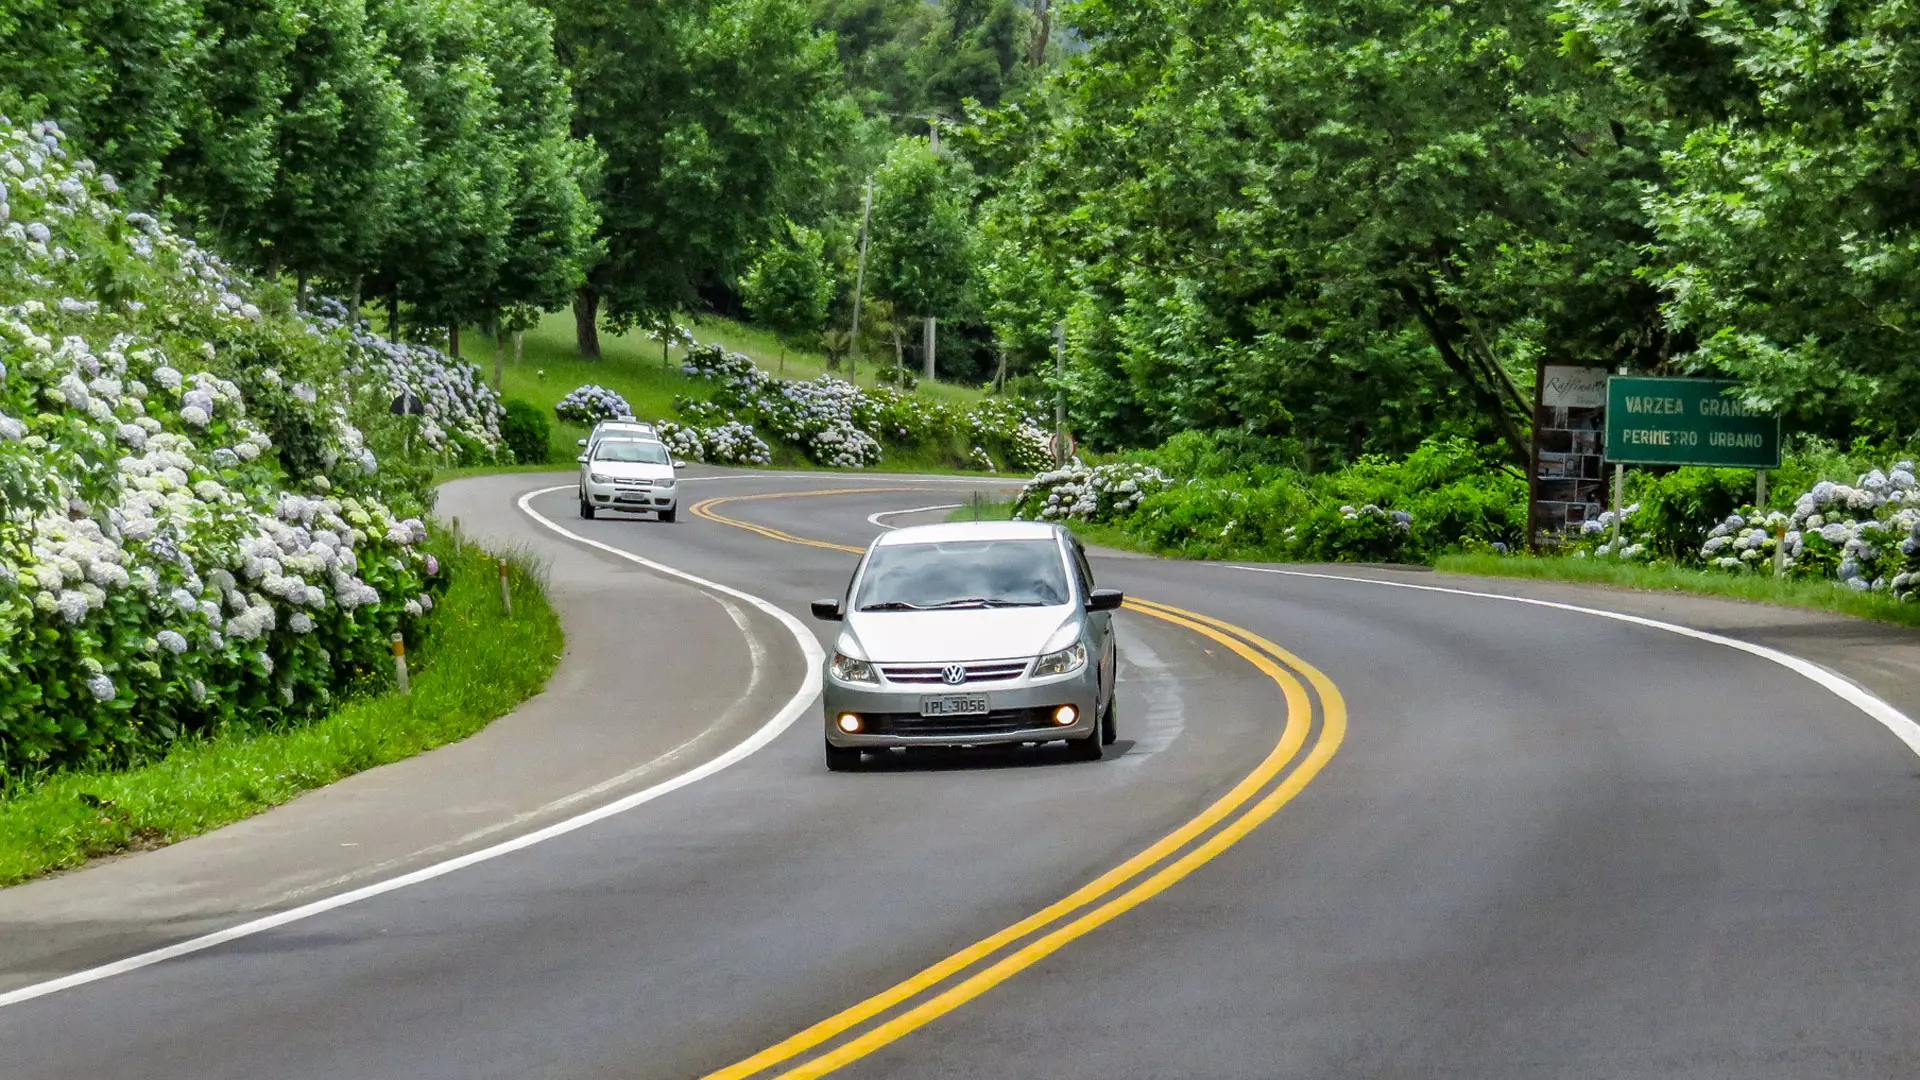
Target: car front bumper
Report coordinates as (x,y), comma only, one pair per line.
(1019,711)
(637,500)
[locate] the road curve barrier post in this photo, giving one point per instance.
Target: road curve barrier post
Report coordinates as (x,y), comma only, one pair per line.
(506,596)
(400,665)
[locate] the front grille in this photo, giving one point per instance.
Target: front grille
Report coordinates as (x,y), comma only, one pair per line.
(931,674)
(631,485)
(998,722)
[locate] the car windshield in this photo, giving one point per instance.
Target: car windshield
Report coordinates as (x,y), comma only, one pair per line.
(963,574)
(631,450)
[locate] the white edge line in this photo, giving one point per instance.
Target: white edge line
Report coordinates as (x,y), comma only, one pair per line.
(1846,690)
(874,519)
(796,706)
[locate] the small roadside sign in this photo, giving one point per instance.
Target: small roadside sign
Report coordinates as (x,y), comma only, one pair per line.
(1063,446)
(1685,421)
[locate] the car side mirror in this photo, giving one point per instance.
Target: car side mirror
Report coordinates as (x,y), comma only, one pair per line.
(580,442)
(828,611)
(582,459)
(1105,600)
(678,464)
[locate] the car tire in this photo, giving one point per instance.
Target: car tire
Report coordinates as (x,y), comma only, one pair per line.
(586,509)
(668,516)
(1087,747)
(842,758)
(1109,724)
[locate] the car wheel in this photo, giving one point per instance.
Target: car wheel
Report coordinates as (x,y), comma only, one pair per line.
(1088,747)
(668,515)
(586,509)
(842,758)
(1109,725)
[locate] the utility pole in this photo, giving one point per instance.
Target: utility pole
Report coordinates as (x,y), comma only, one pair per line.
(927,341)
(860,282)
(933,132)
(1060,392)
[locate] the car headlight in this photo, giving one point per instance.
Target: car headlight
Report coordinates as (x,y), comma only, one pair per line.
(847,669)
(1067,660)
(668,482)
(600,478)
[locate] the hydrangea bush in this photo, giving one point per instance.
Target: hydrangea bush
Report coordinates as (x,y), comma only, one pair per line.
(1077,492)
(463,414)
(591,404)
(837,423)
(729,443)
(197,527)
(1865,534)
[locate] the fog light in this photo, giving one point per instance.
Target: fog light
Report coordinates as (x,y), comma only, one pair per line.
(849,723)
(1065,715)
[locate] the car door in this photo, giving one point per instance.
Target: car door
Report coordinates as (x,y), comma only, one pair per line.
(1100,621)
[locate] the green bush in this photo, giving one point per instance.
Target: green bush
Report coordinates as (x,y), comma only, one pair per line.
(1677,508)
(526,432)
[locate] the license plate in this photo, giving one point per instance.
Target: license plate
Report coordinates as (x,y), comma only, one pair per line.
(954,705)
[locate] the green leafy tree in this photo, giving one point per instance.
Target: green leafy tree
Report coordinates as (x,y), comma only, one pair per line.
(456,202)
(920,258)
(1352,225)
(312,188)
(552,239)
(1785,222)
(788,287)
(716,119)
(119,75)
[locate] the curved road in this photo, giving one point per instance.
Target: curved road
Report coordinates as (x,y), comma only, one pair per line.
(1350,830)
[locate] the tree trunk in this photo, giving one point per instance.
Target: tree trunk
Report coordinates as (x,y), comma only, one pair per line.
(519,339)
(300,290)
(1042,30)
(1519,447)
(586,322)
(453,339)
(393,316)
(899,349)
(783,358)
(272,268)
(666,355)
(359,297)
(926,348)
(499,352)
(1000,374)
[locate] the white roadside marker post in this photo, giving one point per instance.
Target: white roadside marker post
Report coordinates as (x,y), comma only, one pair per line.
(506,597)
(1619,481)
(400,665)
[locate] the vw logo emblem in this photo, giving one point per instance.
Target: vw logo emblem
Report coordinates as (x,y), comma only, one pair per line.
(954,674)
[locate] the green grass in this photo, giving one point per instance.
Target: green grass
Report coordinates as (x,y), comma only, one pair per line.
(471,667)
(1793,592)
(630,365)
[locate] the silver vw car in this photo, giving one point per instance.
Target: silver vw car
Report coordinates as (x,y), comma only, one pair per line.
(967,635)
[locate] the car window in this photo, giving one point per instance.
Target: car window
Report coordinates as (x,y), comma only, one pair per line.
(1085,568)
(630,450)
(967,573)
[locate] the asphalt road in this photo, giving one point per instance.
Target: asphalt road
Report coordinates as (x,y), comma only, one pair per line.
(1508,841)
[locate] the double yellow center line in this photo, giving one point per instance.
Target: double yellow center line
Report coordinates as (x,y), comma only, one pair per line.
(946,985)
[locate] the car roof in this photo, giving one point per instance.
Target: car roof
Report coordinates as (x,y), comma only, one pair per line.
(969,530)
(614,425)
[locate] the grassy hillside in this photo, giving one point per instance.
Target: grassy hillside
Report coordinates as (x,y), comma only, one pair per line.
(631,365)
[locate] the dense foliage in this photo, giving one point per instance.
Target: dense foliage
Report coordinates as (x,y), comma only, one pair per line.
(205,519)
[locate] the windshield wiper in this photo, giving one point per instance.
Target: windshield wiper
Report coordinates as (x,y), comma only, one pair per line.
(981,601)
(892,605)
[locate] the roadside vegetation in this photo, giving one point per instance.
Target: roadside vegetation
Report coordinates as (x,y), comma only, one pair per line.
(471,665)
(214,523)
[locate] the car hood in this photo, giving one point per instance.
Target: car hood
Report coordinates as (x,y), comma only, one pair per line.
(933,637)
(631,470)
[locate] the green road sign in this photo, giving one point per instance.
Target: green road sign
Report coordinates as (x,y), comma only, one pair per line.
(1674,421)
